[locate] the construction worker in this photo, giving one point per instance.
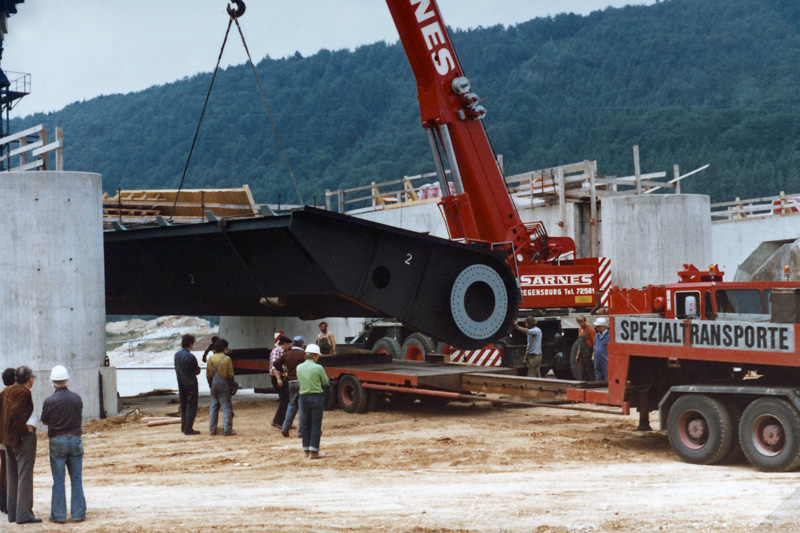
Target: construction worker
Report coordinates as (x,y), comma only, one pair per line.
(210,348)
(18,435)
(62,412)
(8,380)
(219,373)
(279,383)
(583,357)
(291,360)
(312,378)
(601,349)
(325,340)
(533,350)
(187,370)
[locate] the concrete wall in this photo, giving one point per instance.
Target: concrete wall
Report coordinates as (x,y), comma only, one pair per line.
(52,305)
(426,218)
(649,238)
(733,241)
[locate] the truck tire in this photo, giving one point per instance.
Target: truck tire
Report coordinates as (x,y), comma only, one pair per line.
(769,433)
(699,429)
(352,396)
(417,347)
(331,401)
(440,347)
(388,345)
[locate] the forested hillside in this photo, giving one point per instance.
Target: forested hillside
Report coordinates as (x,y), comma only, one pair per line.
(690,81)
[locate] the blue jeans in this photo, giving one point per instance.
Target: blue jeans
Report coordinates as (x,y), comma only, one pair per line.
(67,451)
(600,368)
(312,406)
(291,409)
(220,396)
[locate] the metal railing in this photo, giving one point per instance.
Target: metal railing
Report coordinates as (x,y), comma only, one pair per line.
(769,206)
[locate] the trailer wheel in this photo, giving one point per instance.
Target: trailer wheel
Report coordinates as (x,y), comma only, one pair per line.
(388,345)
(699,429)
(331,401)
(440,347)
(352,396)
(417,347)
(769,433)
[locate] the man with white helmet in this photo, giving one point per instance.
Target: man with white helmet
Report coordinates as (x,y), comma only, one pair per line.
(62,412)
(601,349)
(312,378)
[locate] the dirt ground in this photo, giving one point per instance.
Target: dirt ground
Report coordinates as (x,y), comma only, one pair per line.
(453,468)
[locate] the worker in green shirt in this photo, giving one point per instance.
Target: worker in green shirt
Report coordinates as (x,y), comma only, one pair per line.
(312,378)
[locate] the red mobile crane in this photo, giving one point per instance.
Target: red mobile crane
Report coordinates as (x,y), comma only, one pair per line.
(480,210)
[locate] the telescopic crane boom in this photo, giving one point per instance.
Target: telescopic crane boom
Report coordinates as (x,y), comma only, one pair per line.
(480,209)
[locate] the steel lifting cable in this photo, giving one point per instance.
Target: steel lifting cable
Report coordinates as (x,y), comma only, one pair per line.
(202,114)
(234,15)
(269,112)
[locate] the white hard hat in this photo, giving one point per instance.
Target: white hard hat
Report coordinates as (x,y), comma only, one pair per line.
(602,321)
(59,373)
(313,349)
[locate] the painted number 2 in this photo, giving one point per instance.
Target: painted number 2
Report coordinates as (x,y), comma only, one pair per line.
(408,259)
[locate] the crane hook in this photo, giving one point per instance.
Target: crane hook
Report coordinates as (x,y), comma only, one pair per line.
(239,11)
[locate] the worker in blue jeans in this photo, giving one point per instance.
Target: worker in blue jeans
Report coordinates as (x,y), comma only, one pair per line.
(62,412)
(290,360)
(601,349)
(312,378)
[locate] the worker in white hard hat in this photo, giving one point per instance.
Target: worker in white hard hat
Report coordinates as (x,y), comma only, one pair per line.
(601,349)
(312,379)
(62,413)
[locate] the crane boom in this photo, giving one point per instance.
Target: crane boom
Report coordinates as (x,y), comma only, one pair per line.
(480,209)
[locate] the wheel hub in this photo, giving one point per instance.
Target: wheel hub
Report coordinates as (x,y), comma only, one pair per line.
(772,435)
(697,429)
(769,435)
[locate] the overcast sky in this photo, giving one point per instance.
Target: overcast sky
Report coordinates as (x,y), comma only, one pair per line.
(78,49)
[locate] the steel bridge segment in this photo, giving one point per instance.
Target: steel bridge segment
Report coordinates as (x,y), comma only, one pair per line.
(309,264)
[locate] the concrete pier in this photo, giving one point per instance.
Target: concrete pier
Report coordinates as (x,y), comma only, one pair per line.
(649,237)
(52,301)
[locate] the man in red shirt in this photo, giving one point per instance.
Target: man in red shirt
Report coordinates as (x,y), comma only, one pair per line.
(586,335)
